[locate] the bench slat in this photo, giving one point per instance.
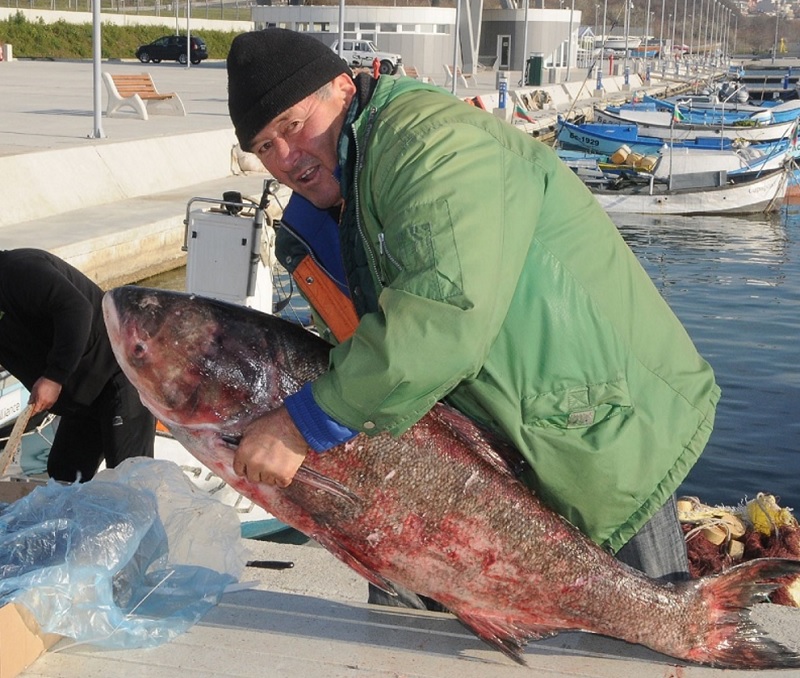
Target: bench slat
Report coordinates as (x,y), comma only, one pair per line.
(141,84)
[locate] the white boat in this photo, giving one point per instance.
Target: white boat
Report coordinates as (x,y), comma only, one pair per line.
(13,397)
(700,193)
(659,124)
(618,43)
(673,161)
(669,162)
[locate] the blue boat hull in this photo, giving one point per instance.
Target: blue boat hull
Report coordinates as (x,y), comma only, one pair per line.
(607,139)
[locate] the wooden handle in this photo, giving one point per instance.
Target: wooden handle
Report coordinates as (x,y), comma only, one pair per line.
(10,450)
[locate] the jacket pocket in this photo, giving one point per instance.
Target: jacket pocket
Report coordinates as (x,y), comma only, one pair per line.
(422,257)
(578,408)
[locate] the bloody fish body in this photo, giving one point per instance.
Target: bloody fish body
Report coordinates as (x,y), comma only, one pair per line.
(435,510)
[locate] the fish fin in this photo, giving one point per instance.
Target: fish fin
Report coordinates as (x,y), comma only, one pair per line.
(354,563)
(487,444)
(508,638)
(315,479)
(734,640)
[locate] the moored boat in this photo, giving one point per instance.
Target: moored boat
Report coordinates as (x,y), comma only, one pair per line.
(728,112)
(700,193)
(607,138)
(667,164)
(661,124)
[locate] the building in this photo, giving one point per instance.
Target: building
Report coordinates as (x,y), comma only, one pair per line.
(424,36)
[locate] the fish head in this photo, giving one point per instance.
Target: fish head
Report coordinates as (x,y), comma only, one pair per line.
(192,365)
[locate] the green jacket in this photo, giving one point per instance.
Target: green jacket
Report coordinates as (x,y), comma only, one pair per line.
(486,274)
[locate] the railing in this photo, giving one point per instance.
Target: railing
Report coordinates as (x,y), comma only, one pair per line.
(230,10)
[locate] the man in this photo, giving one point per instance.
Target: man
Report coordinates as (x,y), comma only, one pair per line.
(468,264)
(53,339)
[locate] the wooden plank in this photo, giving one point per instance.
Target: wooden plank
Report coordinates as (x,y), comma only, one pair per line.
(143,85)
(10,450)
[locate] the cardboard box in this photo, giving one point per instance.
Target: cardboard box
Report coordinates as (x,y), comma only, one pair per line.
(16,488)
(21,640)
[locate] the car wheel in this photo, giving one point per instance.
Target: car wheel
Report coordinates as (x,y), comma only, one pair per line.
(144,57)
(386,67)
(156,61)
(195,61)
(182,59)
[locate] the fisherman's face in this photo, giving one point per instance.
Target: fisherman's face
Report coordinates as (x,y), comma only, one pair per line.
(299,146)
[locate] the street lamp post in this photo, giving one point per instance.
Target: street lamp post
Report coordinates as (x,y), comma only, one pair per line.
(715,29)
(683,27)
(700,28)
(672,43)
(777,20)
(599,85)
(569,42)
(457,39)
(627,24)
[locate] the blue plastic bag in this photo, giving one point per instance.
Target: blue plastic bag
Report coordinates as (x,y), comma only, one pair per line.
(132,558)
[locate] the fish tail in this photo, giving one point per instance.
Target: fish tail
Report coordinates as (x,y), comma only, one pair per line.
(734,639)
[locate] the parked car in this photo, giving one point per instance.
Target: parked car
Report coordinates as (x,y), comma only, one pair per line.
(172,48)
(361,54)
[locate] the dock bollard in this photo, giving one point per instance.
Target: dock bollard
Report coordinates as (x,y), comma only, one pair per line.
(502,111)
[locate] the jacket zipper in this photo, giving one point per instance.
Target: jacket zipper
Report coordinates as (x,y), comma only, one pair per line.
(385,251)
(367,244)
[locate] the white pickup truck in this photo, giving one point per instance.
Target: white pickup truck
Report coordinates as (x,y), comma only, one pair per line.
(361,54)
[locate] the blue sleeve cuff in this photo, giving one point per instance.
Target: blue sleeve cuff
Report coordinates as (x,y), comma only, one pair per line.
(320,431)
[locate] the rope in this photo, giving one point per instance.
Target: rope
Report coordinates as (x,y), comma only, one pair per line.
(14,440)
(10,448)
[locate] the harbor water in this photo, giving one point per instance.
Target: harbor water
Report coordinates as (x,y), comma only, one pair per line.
(735,284)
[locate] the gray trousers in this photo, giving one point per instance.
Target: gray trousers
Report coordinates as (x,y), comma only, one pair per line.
(658,550)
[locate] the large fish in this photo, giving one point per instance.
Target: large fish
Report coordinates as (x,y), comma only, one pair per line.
(435,510)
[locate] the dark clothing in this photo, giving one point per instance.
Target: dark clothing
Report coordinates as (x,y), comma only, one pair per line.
(51,325)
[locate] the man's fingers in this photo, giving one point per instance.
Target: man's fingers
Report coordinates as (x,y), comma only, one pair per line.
(239,467)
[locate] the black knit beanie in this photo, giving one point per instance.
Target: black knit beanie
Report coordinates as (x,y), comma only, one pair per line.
(270,71)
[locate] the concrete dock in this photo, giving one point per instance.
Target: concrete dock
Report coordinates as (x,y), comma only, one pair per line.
(311,621)
(114,207)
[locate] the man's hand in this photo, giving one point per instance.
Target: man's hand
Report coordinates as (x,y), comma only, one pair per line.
(271,450)
(44,394)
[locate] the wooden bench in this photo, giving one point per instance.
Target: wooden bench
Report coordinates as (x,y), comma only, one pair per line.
(140,93)
(412,72)
(463,78)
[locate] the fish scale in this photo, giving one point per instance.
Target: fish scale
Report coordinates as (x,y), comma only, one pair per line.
(436,510)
